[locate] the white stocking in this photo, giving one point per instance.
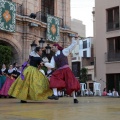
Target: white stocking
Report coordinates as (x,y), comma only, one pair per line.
(74,97)
(55,91)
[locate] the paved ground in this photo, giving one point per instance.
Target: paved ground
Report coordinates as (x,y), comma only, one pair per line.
(89,108)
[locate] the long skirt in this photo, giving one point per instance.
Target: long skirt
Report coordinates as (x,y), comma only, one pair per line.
(4,91)
(35,86)
(64,78)
(2,80)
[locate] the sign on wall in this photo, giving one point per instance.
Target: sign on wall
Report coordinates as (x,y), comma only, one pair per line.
(7,16)
(53,28)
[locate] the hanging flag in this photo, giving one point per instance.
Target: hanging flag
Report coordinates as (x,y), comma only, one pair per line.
(53,28)
(7,16)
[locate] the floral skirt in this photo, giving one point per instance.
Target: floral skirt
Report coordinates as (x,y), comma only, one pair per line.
(35,86)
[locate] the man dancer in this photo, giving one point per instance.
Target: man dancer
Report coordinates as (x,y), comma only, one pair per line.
(63,76)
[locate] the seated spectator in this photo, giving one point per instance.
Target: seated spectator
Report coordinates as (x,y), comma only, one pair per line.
(104,92)
(115,93)
(88,92)
(109,93)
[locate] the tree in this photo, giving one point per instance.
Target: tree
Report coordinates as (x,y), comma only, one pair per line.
(83,75)
(5,54)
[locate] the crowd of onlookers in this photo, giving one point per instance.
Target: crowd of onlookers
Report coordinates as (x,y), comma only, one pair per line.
(7,77)
(110,93)
(88,92)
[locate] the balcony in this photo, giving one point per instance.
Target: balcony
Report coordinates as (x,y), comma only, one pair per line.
(112,56)
(42,16)
(113,26)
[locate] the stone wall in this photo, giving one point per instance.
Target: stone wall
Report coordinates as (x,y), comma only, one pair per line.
(24,35)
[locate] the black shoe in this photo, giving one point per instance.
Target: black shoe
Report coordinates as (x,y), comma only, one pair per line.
(76,101)
(53,97)
(22,101)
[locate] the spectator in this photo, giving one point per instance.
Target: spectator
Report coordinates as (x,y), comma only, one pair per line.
(109,93)
(115,93)
(104,92)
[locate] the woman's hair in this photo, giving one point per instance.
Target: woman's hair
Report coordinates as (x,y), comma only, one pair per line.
(37,49)
(14,64)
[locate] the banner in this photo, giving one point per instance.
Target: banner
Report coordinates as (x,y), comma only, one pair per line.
(53,28)
(7,16)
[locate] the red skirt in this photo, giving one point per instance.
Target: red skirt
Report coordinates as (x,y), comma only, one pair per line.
(64,78)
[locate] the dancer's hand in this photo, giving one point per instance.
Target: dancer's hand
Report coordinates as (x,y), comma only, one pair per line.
(42,63)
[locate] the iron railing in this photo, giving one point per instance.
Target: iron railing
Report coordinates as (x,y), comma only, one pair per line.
(42,16)
(112,56)
(113,26)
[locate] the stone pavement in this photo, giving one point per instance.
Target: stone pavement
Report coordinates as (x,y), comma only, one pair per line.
(89,108)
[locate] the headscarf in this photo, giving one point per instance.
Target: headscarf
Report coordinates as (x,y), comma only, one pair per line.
(58,46)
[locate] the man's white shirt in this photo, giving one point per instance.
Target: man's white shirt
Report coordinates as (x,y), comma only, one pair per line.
(65,51)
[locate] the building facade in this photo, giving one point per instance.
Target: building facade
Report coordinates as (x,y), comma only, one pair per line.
(107,43)
(83,57)
(31,24)
(79,27)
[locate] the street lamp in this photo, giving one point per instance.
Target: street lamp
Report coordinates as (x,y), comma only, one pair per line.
(33,46)
(41,42)
(46,53)
(48,48)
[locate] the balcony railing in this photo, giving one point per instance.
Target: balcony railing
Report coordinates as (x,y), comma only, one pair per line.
(112,56)
(42,16)
(113,26)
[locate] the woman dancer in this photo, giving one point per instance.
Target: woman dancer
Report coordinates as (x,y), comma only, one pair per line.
(35,85)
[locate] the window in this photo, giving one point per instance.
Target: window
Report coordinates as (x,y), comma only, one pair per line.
(111,45)
(114,45)
(89,77)
(76,68)
(47,6)
(113,49)
(84,44)
(113,19)
(84,53)
(117,44)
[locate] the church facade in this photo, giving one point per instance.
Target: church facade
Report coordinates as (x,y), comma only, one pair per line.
(28,23)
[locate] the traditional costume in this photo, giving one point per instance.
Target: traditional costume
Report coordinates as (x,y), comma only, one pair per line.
(8,82)
(35,85)
(3,72)
(63,77)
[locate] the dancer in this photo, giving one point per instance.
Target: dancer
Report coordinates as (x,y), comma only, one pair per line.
(49,72)
(35,85)
(63,76)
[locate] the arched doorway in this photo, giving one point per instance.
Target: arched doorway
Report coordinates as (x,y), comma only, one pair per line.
(15,51)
